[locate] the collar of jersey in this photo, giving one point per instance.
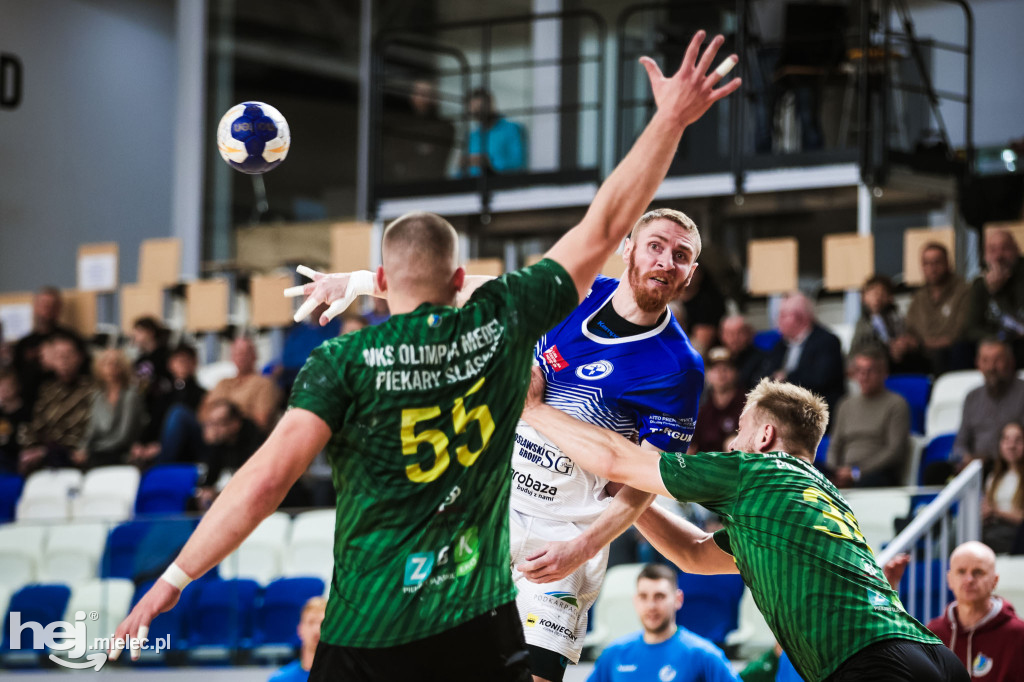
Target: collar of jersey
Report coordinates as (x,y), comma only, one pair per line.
(625,339)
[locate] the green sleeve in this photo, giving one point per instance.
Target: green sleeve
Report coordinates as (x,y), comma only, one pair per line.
(708,478)
(539,296)
(320,386)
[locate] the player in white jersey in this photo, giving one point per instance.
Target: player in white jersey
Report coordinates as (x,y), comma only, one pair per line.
(620,361)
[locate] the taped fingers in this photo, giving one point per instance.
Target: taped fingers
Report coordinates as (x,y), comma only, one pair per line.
(306,271)
(308,306)
(726,66)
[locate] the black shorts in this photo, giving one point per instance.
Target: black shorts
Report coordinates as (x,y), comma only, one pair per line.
(901,660)
(489,647)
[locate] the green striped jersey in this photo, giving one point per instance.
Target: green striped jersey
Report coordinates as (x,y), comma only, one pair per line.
(800,551)
(423,410)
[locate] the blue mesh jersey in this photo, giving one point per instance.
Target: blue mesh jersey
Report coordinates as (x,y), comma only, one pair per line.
(645,387)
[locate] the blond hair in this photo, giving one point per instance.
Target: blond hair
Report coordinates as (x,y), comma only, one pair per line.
(124,367)
(670,214)
(318,603)
(799,415)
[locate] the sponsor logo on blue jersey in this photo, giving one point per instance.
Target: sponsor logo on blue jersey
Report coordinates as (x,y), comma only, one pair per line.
(595,370)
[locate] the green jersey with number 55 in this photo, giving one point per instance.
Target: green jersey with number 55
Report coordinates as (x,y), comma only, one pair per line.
(423,410)
(800,551)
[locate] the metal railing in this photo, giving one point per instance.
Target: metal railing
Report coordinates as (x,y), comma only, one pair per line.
(952,518)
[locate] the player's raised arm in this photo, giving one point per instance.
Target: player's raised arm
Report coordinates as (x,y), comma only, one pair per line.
(681,99)
(251,495)
(597,450)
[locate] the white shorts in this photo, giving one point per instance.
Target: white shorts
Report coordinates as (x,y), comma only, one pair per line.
(554,614)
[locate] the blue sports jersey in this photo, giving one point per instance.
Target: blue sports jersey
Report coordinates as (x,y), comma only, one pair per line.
(683,657)
(646,387)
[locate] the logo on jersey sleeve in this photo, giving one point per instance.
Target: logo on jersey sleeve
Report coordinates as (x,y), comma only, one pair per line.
(554,359)
(595,370)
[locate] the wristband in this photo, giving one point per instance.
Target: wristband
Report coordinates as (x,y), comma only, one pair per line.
(176,577)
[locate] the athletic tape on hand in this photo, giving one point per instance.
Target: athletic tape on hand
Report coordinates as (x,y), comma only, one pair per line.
(306,271)
(360,283)
(726,66)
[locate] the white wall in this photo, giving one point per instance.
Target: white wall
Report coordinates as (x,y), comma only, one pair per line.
(88,155)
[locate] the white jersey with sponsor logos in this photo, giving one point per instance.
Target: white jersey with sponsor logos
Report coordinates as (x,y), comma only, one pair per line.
(645,387)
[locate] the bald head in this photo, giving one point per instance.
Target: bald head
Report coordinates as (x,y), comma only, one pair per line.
(420,254)
(972,574)
(1001,249)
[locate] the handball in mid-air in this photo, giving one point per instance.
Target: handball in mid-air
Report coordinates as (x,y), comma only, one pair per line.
(253,137)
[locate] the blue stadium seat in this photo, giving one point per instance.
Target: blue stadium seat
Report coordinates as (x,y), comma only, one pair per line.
(10,491)
(277,617)
(173,623)
(937,450)
(766,340)
(38,603)
(822,452)
(166,489)
(916,389)
(921,597)
(221,617)
(122,544)
(161,542)
(711,605)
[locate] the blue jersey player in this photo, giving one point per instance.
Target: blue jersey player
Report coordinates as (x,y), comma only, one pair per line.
(620,361)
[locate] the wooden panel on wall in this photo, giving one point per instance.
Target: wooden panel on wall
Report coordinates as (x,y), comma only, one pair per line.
(270,308)
(16,314)
(140,300)
(206,303)
(265,247)
(772,266)
(351,247)
(849,260)
(489,267)
(914,240)
(79,311)
(614,266)
(160,262)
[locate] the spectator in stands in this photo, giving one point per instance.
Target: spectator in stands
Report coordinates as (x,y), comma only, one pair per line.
(416,141)
(870,443)
(117,415)
(257,396)
(14,419)
(882,326)
(982,630)
(61,412)
(663,650)
(719,413)
(807,355)
(229,439)
(996,305)
(989,407)
(738,338)
(495,143)
(181,401)
(309,634)
(150,368)
(705,308)
(935,320)
(28,352)
(1002,508)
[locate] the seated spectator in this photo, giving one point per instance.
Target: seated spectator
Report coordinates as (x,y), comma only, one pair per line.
(150,368)
(996,304)
(719,413)
(1002,508)
(881,326)
(309,634)
(229,440)
(870,443)
(989,407)
(705,308)
(117,414)
(935,320)
(14,419)
(807,355)
(61,413)
(415,140)
(180,403)
(982,629)
(663,650)
(28,361)
(495,143)
(738,338)
(257,396)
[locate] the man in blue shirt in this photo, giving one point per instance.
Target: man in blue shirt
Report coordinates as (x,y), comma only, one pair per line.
(309,634)
(663,650)
(494,142)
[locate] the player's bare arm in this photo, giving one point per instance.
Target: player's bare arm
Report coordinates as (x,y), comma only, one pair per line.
(251,495)
(684,544)
(597,450)
(681,99)
(559,559)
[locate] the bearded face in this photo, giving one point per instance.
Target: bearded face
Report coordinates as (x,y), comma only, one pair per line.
(654,288)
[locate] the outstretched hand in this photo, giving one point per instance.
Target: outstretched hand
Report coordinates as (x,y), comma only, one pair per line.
(337,290)
(134,630)
(689,93)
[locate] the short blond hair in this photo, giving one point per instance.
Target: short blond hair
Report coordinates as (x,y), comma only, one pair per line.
(670,214)
(318,603)
(799,415)
(120,360)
